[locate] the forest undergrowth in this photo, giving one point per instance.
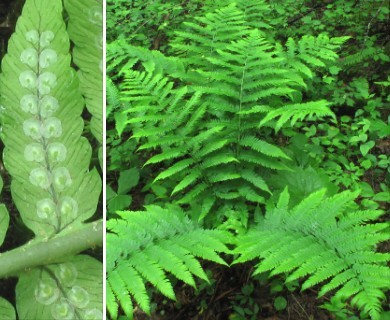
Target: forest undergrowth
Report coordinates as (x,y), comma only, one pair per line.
(248,159)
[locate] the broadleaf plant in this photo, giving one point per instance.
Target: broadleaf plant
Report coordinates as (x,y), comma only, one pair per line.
(53,187)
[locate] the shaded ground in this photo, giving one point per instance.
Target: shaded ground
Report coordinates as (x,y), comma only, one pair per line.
(218,301)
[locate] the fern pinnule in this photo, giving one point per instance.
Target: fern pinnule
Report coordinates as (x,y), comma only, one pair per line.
(158,241)
(324,240)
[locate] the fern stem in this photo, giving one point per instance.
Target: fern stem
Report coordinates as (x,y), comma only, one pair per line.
(54,250)
(240,106)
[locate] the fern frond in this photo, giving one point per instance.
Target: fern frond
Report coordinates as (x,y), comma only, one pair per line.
(113,97)
(318,239)
(117,287)
(255,13)
(111,304)
(209,33)
(298,112)
(311,52)
(205,116)
(157,241)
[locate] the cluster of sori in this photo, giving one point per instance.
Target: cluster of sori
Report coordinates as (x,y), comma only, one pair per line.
(43,128)
(68,302)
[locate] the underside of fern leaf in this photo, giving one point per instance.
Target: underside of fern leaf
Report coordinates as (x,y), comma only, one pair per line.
(327,242)
(85,29)
(48,160)
(45,153)
(143,246)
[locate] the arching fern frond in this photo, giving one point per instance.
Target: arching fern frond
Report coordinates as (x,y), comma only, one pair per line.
(122,56)
(144,246)
(311,52)
(327,242)
(297,112)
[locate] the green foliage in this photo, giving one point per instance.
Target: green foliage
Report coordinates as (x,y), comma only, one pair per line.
(355,145)
(7,311)
(156,247)
(85,28)
(42,126)
(280,303)
(49,161)
(244,305)
(4,217)
(61,291)
(238,102)
(120,200)
(206,133)
(324,240)
(146,23)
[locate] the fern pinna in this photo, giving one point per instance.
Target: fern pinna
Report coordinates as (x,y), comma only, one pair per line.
(208,119)
(144,246)
(48,160)
(324,240)
(87,35)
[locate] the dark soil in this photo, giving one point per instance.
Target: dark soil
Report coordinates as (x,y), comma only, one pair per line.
(216,302)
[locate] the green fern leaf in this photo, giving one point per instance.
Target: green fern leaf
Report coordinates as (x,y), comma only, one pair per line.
(316,239)
(45,153)
(85,29)
(161,241)
(62,290)
(297,112)
(263,147)
(111,304)
(119,290)
(7,310)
